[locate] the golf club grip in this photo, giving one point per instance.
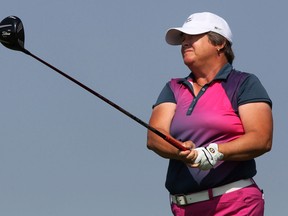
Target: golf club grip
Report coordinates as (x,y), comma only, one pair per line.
(175,143)
(169,139)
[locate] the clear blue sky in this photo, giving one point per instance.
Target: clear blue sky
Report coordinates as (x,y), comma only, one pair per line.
(65,152)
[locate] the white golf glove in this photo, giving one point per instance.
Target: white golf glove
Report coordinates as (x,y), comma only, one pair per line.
(208,156)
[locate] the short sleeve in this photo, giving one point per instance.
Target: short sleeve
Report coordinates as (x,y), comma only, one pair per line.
(166,95)
(251,90)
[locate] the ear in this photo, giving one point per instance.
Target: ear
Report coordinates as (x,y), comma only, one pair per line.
(220,47)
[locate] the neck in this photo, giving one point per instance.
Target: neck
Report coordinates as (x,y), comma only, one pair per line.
(206,73)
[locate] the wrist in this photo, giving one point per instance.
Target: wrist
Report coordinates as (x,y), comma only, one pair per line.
(214,150)
(207,157)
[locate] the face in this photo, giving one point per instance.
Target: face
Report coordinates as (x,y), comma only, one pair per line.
(197,50)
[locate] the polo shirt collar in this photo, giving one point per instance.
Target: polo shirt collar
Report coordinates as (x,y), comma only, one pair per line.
(222,74)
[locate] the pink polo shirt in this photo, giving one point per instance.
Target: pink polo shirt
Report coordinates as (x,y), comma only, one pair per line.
(211,116)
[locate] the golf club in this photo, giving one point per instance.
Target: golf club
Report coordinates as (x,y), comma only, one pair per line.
(12,37)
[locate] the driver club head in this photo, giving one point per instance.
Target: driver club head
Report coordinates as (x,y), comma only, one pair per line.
(12,33)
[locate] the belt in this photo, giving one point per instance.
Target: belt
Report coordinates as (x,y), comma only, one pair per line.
(209,194)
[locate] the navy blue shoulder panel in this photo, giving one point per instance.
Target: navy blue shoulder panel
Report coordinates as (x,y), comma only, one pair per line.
(242,88)
(232,85)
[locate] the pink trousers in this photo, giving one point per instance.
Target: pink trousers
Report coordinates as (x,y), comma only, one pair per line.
(245,201)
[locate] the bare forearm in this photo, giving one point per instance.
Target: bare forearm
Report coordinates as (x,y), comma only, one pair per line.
(258,126)
(246,147)
(161,147)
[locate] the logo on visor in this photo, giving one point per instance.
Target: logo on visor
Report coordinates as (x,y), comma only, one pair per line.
(188,20)
(217,28)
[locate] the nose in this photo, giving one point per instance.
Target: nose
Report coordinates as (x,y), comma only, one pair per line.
(186,43)
(186,40)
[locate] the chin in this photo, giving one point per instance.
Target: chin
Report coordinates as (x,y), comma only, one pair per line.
(188,62)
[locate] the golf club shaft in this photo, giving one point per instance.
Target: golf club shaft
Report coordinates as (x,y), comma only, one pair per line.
(169,139)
